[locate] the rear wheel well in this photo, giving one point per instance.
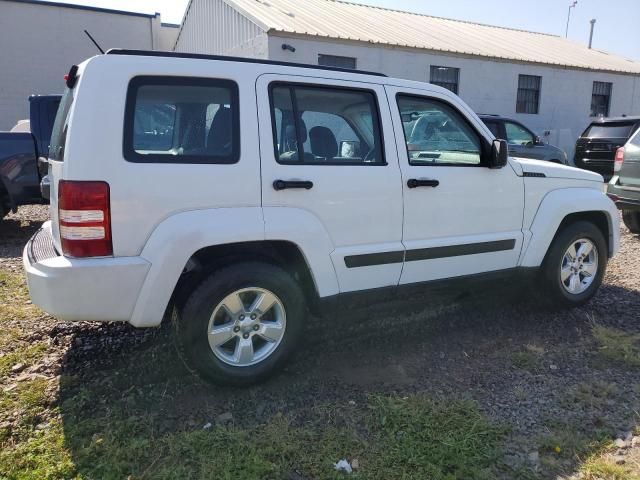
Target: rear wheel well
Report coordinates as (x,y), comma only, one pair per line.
(598,218)
(280,253)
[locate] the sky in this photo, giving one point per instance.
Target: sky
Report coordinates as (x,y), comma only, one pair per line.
(617,21)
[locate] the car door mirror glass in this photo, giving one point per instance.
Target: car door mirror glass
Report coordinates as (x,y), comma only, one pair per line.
(499,154)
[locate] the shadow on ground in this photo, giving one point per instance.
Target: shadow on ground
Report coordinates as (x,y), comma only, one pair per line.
(128,404)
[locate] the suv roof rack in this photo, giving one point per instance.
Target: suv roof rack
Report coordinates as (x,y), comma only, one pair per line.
(157,53)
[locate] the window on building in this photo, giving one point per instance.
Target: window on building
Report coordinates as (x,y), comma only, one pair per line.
(337,61)
(601,99)
(528,94)
(446,77)
(325,126)
(436,133)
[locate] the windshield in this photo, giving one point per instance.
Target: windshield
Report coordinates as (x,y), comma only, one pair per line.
(612,130)
(59,132)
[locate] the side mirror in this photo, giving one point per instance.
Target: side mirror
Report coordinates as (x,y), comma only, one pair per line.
(349,149)
(499,154)
(537,141)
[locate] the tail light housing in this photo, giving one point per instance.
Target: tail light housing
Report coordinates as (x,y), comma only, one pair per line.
(619,159)
(84,218)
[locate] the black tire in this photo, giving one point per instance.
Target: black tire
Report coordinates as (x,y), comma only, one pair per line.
(557,294)
(632,220)
(192,321)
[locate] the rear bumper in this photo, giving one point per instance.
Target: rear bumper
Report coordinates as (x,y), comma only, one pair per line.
(71,289)
(624,198)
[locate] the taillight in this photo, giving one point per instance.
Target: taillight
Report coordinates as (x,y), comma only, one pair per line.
(619,159)
(84,217)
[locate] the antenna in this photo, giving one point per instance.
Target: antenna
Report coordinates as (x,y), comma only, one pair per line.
(94,42)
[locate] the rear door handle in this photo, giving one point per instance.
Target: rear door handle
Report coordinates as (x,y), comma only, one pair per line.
(415,183)
(284,184)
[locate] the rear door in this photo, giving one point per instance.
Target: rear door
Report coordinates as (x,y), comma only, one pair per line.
(322,144)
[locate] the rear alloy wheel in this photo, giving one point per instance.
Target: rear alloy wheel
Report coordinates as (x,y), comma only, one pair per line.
(241,323)
(247,326)
(575,264)
(632,220)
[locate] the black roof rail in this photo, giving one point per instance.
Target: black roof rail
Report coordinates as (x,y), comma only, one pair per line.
(200,56)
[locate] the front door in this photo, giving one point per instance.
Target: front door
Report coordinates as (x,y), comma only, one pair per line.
(460,217)
(323,157)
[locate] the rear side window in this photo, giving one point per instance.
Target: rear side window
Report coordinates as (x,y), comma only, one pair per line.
(60,126)
(612,130)
(182,120)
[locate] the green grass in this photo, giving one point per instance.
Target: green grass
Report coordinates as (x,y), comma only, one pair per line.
(617,345)
(529,359)
(413,438)
(23,354)
(594,395)
(14,301)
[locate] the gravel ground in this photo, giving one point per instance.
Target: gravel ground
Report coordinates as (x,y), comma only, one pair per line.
(536,371)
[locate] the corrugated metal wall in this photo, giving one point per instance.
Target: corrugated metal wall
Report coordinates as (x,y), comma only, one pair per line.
(212,27)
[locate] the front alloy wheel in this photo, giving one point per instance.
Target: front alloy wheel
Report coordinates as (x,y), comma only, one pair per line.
(575,264)
(579,266)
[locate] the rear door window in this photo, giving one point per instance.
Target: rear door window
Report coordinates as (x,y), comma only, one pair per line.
(318,125)
(182,120)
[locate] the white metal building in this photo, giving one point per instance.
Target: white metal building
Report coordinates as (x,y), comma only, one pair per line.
(550,84)
(39,41)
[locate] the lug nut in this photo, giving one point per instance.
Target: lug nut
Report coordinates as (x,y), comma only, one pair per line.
(256,327)
(236,329)
(245,336)
(241,317)
(253,316)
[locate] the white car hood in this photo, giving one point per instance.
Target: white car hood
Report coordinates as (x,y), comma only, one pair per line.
(524,166)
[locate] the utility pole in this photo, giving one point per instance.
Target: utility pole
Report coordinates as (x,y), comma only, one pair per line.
(573,5)
(593,24)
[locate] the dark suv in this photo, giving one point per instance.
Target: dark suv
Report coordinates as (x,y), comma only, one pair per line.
(624,187)
(522,142)
(597,146)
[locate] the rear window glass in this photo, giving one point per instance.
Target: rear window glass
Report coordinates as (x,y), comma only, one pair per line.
(59,132)
(182,120)
(613,130)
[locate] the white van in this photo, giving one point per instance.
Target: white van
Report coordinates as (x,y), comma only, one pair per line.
(239,194)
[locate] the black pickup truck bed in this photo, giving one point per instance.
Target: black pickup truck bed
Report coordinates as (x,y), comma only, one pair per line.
(19,153)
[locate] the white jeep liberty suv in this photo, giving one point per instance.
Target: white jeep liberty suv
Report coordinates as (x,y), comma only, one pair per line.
(238,194)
